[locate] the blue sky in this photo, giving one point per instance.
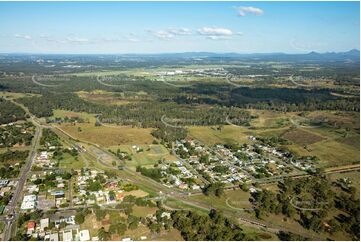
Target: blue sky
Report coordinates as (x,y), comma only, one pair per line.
(153,27)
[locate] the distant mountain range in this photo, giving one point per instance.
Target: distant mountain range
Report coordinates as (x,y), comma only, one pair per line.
(348,56)
(353,55)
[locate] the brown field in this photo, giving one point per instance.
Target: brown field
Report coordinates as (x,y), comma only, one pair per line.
(143,211)
(350,140)
(136,193)
(109,136)
(302,137)
(209,136)
(171,235)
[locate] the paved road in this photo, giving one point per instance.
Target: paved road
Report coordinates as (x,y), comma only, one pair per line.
(11,208)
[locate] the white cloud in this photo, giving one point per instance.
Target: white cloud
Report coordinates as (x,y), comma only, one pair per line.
(161,34)
(77,40)
(169,33)
(180,31)
(242,11)
(22,36)
(133,39)
(213,31)
(218,37)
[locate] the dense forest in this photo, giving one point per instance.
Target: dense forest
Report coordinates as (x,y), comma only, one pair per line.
(215,226)
(20,134)
(310,202)
(9,112)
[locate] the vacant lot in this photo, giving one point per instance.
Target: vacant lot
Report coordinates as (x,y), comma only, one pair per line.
(150,155)
(302,137)
(109,136)
(87,117)
(231,200)
(143,211)
(210,136)
(69,162)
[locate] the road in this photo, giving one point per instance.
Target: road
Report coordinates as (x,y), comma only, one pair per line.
(13,204)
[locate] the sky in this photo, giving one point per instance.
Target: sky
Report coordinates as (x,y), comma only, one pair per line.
(163,27)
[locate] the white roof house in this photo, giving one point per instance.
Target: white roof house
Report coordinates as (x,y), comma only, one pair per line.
(67,235)
(54,237)
(44,223)
(84,235)
(29,202)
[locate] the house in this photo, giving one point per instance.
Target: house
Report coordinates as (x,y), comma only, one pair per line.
(165,214)
(31,227)
(68,220)
(195,187)
(58,194)
(29,202)
(60,185)
(183,186)
(54,237)
(252,190)
(119,197)
(44,223)
(33,188)
(67,235)
(3,183)
(84,235)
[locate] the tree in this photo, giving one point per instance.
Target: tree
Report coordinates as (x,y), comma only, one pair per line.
(100,214)
(79,218)
(103,235)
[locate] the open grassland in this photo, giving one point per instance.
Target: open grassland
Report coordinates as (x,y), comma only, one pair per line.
(143,211)
(87,117)
(234,199)
(302,137)
(210,136)
(70,162)
(269,119)
(108,136)
(19,148)
(150,155)
(15,95)
(171,235)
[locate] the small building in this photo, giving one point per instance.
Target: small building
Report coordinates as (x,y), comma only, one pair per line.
(84,235)
(67,235)
(31,227)
(44,223)
(29,202)
(3,183)
(58,194)
(54,237)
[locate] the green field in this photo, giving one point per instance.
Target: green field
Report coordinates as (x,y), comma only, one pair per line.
(69,162)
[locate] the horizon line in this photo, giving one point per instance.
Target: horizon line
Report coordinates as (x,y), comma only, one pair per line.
(184,52)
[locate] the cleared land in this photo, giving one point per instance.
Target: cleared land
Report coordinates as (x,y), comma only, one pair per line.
(109,136)
(150,155)
(302,137)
